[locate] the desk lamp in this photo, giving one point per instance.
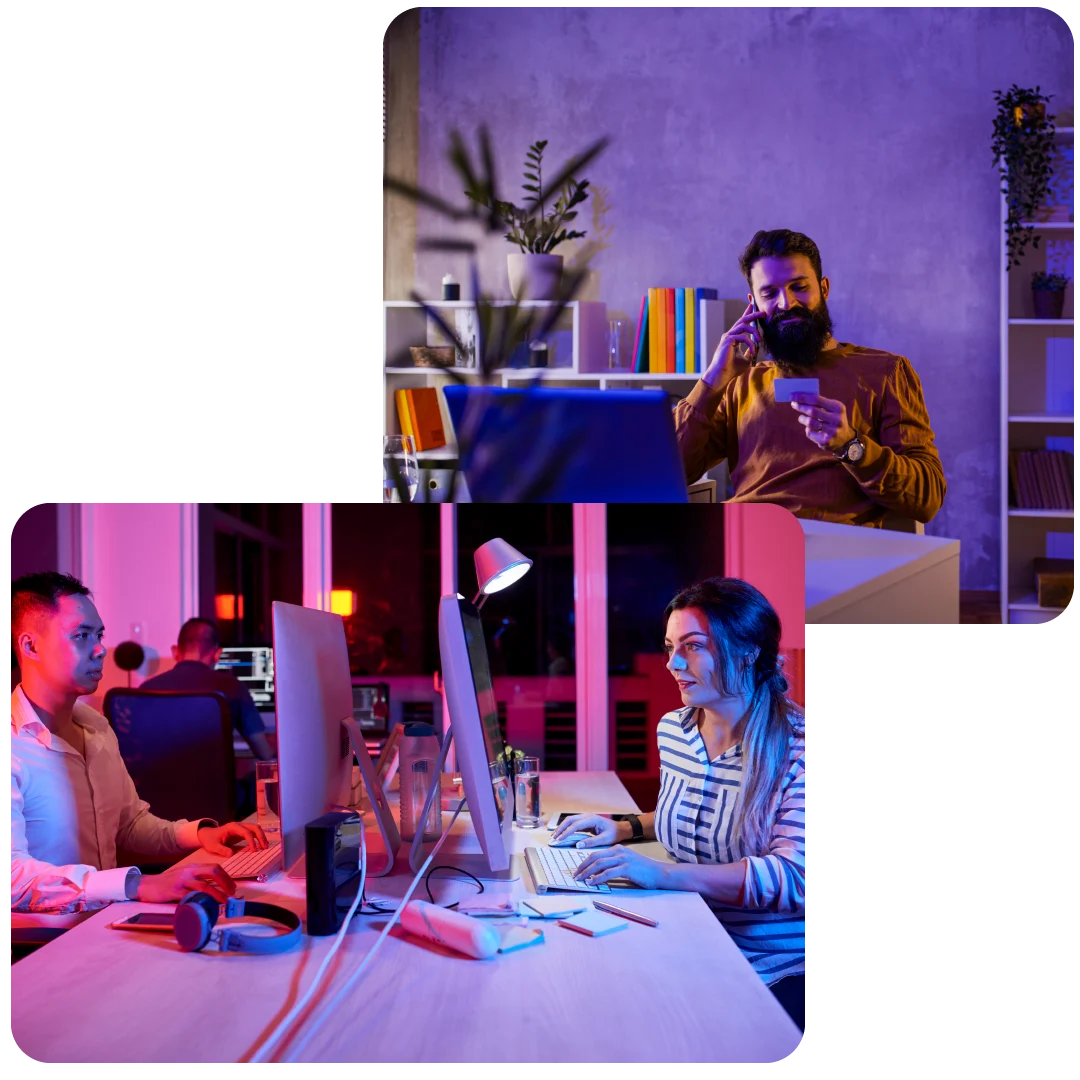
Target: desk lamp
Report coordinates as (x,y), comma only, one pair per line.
(498,565)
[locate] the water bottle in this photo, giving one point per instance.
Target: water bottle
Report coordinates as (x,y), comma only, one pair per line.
(418,757)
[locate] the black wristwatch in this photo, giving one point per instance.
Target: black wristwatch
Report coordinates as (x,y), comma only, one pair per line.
(852,451)
(131,883)
(636,831)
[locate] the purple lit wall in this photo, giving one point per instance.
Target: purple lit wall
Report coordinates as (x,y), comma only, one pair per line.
(867,129)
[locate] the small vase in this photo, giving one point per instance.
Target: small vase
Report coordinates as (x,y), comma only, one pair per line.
(1048,303)
(534,277)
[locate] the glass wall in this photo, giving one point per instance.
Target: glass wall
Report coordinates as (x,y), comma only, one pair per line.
(653,552)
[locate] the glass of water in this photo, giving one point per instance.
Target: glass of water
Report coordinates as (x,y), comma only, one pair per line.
(400,469)
(267,804)
(527,792)
(617,343)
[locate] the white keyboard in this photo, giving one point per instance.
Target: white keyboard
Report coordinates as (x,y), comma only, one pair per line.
(553,868)
(251,863)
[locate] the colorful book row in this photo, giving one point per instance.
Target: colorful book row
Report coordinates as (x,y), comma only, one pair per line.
(668,335)
(1041,479)
(418,411)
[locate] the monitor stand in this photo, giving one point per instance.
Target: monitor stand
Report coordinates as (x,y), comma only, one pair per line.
(384,816)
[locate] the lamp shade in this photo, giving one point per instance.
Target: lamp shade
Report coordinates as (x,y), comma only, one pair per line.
(499,565)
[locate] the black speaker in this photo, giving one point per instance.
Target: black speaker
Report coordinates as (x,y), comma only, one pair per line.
(128,656)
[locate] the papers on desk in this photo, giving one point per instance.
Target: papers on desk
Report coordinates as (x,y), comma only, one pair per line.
(594,923)
(551,907)
(512,938)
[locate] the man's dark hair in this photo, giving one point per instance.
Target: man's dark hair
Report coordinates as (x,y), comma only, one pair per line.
(201,634)
(768,242)
(40,593)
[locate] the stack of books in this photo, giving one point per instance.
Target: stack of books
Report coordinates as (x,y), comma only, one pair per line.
(1041,479)
(668,335)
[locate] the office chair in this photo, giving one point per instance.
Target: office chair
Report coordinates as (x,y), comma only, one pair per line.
(177,746)
(898,523)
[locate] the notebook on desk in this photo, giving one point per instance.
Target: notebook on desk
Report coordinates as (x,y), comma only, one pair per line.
(560,445)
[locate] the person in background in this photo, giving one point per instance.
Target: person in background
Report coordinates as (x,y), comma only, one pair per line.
(558,649)
(732,785)
(393,653)
(853,452)
(72,800)
(197,650)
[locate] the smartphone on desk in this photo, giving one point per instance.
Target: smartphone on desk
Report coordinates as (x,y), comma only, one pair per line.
(155,922)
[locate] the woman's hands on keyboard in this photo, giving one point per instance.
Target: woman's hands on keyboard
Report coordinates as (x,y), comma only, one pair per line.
(621,862)
(606,831)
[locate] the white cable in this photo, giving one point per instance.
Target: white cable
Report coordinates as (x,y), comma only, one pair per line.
(325,1011)
(261,1053)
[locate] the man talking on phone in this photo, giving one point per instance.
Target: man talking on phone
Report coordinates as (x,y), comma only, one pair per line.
(72,800)
(854,450)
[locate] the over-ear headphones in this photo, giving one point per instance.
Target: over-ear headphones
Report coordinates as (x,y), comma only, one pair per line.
(198,913)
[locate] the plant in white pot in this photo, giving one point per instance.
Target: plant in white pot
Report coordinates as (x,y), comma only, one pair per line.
(539,226)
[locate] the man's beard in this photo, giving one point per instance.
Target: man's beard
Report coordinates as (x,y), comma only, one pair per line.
(796,343)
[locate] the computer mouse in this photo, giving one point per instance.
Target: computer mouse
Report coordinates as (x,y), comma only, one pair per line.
(571,839)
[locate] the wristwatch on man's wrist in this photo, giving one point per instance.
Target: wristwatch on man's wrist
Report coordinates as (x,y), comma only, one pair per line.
(852,451)
(636,830)
(131,883)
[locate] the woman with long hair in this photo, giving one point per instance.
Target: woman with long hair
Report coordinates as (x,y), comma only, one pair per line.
(732,785)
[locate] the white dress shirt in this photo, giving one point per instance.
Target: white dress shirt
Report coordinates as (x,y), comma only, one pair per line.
(70,812)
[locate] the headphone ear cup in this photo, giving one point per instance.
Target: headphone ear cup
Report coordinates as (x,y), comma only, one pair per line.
(195,917)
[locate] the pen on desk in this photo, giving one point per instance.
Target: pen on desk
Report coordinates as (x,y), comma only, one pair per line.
(613,910)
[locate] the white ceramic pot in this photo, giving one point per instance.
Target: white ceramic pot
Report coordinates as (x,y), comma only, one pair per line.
(534,277)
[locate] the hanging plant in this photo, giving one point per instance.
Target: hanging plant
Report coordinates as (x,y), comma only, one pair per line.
(1022,145)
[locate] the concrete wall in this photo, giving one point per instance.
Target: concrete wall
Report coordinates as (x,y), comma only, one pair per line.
(867,129)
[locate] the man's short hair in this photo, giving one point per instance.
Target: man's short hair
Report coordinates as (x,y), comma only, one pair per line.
(768,242)
(39,594)
(200,634)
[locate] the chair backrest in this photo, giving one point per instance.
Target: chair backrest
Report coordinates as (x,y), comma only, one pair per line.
(898,523)
(177,746)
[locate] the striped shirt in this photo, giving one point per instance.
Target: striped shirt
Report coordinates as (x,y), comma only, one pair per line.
(695,814)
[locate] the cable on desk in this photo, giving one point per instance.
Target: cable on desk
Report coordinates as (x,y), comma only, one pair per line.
(326,1010)
(259,1055)
(457,870)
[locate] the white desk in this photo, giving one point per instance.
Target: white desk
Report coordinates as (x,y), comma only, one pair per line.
(680,992)
(860,575)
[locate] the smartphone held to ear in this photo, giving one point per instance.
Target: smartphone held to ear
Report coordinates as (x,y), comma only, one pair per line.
(752,354)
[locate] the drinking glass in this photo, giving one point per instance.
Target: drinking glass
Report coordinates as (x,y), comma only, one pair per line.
(267,803)
(527,792)
(616,343)
(399,467)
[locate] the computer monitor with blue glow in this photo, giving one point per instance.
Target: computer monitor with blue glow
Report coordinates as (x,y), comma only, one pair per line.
(478,743)
(315,742)
(253,665)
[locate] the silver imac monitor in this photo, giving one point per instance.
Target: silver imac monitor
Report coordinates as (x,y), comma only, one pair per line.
(474,721)
(317,735)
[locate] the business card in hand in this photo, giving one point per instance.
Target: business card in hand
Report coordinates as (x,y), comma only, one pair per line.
(784,388)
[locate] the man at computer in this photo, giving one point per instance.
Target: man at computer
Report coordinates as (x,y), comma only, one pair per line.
(732,785)
(197,650)
(856,450)
(72,800)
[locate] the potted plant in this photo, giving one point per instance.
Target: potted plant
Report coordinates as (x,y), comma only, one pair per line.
(1048,292)
(538,227)
(504,331)
(1022,145)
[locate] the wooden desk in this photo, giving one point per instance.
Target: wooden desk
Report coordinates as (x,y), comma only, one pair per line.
(680,992)
(860,575)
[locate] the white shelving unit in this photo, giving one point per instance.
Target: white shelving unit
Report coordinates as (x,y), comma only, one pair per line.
(1036,406)
(577,354)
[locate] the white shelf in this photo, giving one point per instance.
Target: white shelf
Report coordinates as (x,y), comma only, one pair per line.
(1040,322)
(644,376)
(1030,602)
(1015,512)
(441,453)
(1036,413)
(1039,418)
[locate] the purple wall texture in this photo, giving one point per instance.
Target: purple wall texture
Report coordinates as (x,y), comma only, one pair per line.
(867,129)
